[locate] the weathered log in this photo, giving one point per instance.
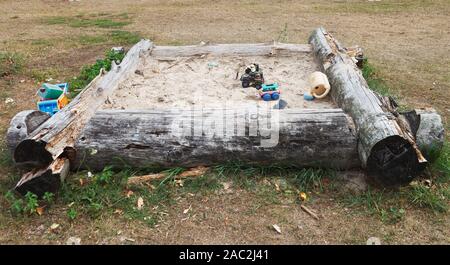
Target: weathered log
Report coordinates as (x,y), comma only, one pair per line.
(386,144)
(146,138)
(46,179)
(270,49)
(430,135)
(56,137)
(22,125)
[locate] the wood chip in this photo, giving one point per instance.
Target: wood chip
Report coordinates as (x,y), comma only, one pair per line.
(193,172)
(145,178)
(277,228)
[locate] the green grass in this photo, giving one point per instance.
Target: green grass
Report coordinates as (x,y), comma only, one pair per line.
(11,63)
(106,192)
(374,81)
(91,40)
(121,37)
(384,204)
(434,198)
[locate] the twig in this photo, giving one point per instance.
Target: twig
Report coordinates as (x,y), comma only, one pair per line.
(309,211)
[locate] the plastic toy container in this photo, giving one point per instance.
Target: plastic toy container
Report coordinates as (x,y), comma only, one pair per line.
(51,106)
(50,91)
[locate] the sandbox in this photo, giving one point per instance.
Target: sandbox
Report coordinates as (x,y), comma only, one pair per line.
(183,106)
(212,81)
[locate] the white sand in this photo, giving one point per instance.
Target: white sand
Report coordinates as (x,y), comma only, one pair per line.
(186,81)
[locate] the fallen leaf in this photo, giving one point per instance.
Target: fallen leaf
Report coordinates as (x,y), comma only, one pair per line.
(128,193)
(303,196)
(54,226)
(40,210)
(140,203)
(187,210)
(118,211)
(277,187)
(81,182)
(277,228)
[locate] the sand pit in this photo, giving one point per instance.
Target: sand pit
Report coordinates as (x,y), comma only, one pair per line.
(210,81)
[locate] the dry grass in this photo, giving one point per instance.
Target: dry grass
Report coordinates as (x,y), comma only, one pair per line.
(407,42)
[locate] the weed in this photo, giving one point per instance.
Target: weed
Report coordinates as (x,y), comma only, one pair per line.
(88,73)
(10,63)
(392,215)
(71,213)
(106,192)
(31,202)
(48,197)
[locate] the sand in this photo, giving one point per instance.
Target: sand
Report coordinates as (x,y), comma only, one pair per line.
(211,82)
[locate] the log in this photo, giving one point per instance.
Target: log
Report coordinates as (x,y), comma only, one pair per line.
(22,125)
(386,142)
(269,49)
(188,138)
(430,135)
(56,137)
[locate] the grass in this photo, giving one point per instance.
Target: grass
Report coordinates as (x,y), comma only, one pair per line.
(374,81)
(99,21)
(106,194)
(11,63)
(122,37)
(375,7)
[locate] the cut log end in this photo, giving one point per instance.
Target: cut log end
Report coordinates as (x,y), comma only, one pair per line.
(47,179)
(33,153)
(393,162)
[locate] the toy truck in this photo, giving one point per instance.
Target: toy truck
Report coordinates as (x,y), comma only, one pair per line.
(253,76)
(270,92)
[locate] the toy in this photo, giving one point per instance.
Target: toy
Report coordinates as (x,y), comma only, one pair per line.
(270,92)
(253,76)
(49,103)
(308,97)
(50,91)
(52,106)
(320,87)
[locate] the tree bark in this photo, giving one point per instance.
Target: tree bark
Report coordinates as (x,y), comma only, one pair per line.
(386,143)
(270,49)
(148,138)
